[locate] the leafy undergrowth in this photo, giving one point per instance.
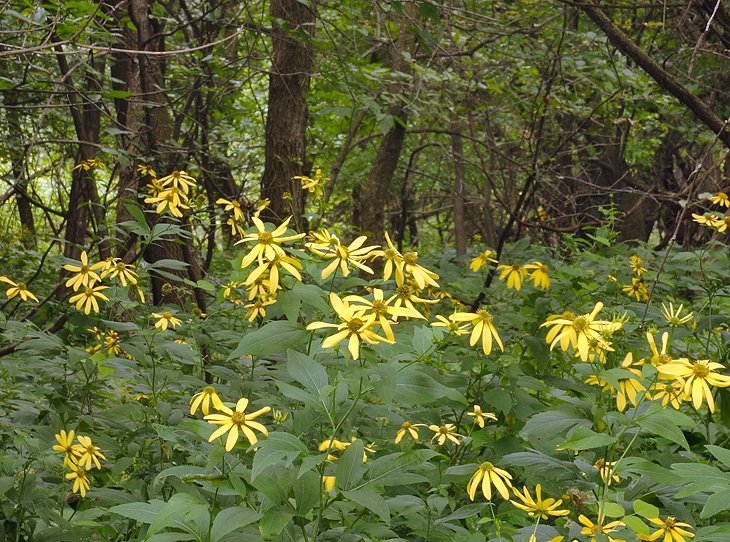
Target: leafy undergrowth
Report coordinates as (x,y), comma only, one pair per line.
(564,407)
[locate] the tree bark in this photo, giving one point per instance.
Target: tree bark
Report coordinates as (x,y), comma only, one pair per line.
(457,150)
(286,119)
(665,80)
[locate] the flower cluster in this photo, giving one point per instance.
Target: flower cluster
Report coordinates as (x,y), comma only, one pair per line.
(714,220)
(79,457)
(86,278)
(171,192)
(18,289)
(231,421)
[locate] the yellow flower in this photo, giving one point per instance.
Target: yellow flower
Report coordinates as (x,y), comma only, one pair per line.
(443,432)
(65,445)
(116,268)
(629,388)
(674,316)
(204,399)
(566,322)
(260,206)
(479,416)
(172,199)
(393,258)
(406,296)
(111,341)
(669,393)
(234,207)
(330,444)
(514,274)
(87,453)
(671,529)
(262,287)
(231,421)
(457,328)
(258,308)
(289,264)
(636,265)
(606,469)
(144,169)
(86,165)
(353,327)
(328,483)
(179,180)
(486,476)
(637,289)
(707,219)
(538,507)
(481,260)
(482,321)
(698,377)
(580,331)
(593,529)
(165,319)
(88,298)
(722,224)
(539,276)
(411,268)
(721,198)
(18,289)
(312,184)
(267,242)
(229,287)
(85,274)
(81,482)
(380,310)
(658,357)
(408,428)
(353,254)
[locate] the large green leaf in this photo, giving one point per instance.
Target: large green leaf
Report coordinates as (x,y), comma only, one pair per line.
(583,438)
(230,519)
(371,500)
(413,386)
(272,338)
(662,423)
(306,371)
(175,511)
(350,467)
(144,512)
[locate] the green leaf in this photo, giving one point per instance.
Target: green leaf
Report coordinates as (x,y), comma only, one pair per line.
(144,512)
(545,428)
(660,422)
(645,510)
(350,467)
(230,519)
(613,510)
(371,500)
(388,470)
(582,438)
(272,338)
(636,525)
(306,371)
(274,521)
(721,454)
(273,449)
(717,502)
(175,511)
(414,387)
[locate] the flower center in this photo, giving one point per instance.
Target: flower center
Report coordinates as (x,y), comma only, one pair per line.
(167,315)
(120,266)
(700,370)
(265,238)
(390,253)
(484,316)
(486,466)
(354,325)
(89,291)
(380,308)
(581,324)
(443,430)
(404,292)
(669,523)
(84,269)
(238,418)
(410,258)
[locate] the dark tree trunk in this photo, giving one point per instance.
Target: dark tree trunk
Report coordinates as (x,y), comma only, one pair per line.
(376,190)
(286,119)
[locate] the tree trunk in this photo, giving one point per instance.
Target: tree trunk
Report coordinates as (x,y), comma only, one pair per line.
(375,192)
(286,119)
(457,150)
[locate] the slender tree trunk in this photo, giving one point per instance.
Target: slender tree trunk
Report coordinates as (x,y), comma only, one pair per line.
(375,192)
(286,119)
(457,150)
(17,163)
